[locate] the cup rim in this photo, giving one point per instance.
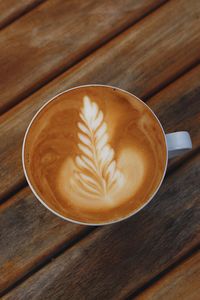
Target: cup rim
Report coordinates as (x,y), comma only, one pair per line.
(72,220)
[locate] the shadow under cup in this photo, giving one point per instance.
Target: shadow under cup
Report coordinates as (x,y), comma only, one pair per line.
(94,154)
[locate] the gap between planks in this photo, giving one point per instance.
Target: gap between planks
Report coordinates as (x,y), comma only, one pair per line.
(11,19)
(60,249)
(171,80)
(163,273)
(87,53)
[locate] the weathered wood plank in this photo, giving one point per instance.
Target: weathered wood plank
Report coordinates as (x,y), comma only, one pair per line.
(142,60)
(12,9)
(175,104)
(29,234)
(184,89)
(181,283)
(54,36)
(115,260)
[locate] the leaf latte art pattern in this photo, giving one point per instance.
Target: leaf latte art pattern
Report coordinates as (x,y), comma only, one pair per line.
(96,175)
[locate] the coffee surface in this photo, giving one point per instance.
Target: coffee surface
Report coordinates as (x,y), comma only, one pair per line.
(95,154)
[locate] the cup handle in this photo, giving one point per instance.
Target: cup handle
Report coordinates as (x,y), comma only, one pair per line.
(178,143)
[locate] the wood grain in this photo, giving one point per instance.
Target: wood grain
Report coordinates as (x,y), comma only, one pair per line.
(141,60)
(29,234)
(12,9)
(181,284)
(115,260)
(174,106)
(184,89)
(50,38)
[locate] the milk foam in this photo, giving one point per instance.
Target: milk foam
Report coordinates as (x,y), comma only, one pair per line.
(95,179)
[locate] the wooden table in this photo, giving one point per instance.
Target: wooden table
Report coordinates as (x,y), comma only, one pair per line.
(150,48)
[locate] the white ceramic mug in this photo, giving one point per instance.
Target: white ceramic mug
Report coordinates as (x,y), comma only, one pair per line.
(176,144)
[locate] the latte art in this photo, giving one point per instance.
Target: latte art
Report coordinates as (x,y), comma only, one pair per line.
(97,176)
(95,154)
(95,179)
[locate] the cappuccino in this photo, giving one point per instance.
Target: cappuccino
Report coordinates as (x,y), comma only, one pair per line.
(95,154)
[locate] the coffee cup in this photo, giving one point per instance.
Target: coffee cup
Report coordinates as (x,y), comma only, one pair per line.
(96,154)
